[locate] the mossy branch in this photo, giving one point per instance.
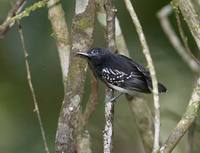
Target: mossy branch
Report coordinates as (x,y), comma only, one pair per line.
(12,19)
(28,11)
(190,16)
(186,122)
(69,131)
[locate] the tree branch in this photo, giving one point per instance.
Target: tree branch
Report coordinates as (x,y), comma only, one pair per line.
(110,30)
(91,105)
(173,38)
(10,20)
(15,9)
(138,104)
(109,117)
(185,123)
(68,131)
(61,33)
(144,120)
(29,79)
(84,142)
(184,38)
(149,60)
(109,105)
(190,16)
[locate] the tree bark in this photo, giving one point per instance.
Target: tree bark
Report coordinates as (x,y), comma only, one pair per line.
(68,130)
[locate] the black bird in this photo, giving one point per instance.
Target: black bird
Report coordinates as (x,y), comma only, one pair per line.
(119,72)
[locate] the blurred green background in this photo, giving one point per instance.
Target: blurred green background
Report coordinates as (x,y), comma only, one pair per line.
(19,129)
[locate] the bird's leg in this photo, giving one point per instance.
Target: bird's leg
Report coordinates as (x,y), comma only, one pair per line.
(114,98)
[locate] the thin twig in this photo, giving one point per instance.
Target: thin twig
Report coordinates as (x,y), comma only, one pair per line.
(109,117)
(29,79)
(10,20)
(120,41)
(186,122)
(14,10)
(137,104)
(149,60)
(109,105)
(110,25)
(173,38)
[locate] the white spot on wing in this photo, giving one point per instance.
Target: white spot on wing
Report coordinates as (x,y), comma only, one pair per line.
(112,72)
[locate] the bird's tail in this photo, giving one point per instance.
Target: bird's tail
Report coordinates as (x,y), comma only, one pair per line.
(161,88)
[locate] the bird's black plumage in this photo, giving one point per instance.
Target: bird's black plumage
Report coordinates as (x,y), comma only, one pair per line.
(119,72)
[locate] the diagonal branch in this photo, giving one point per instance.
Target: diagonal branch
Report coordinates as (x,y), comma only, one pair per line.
(36,109)
(188,118)
(149,60)
(186,122)
(5,25)
(10,20)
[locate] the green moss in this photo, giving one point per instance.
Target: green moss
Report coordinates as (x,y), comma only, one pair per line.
(175,4)
(28,10)
(192,110)
(83,23)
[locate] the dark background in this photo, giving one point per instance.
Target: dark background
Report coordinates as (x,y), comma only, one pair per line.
(19,129)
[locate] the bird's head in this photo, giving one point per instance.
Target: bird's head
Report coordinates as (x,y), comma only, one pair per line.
(95,55)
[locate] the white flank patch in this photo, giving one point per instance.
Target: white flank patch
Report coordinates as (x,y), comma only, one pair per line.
(122,90)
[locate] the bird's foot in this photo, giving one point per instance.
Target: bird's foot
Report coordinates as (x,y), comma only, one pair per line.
(114,98)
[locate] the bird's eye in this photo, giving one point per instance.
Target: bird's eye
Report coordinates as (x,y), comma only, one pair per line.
(95,51)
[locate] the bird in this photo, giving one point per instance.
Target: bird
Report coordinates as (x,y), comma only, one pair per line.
(119,72)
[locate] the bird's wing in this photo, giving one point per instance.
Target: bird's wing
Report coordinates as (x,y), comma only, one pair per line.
(141,70)
(138,84)
(131,81)
(113,75)
(145,73)
(139,67)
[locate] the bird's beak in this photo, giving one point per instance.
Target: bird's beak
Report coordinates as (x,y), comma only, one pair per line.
(83,54)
